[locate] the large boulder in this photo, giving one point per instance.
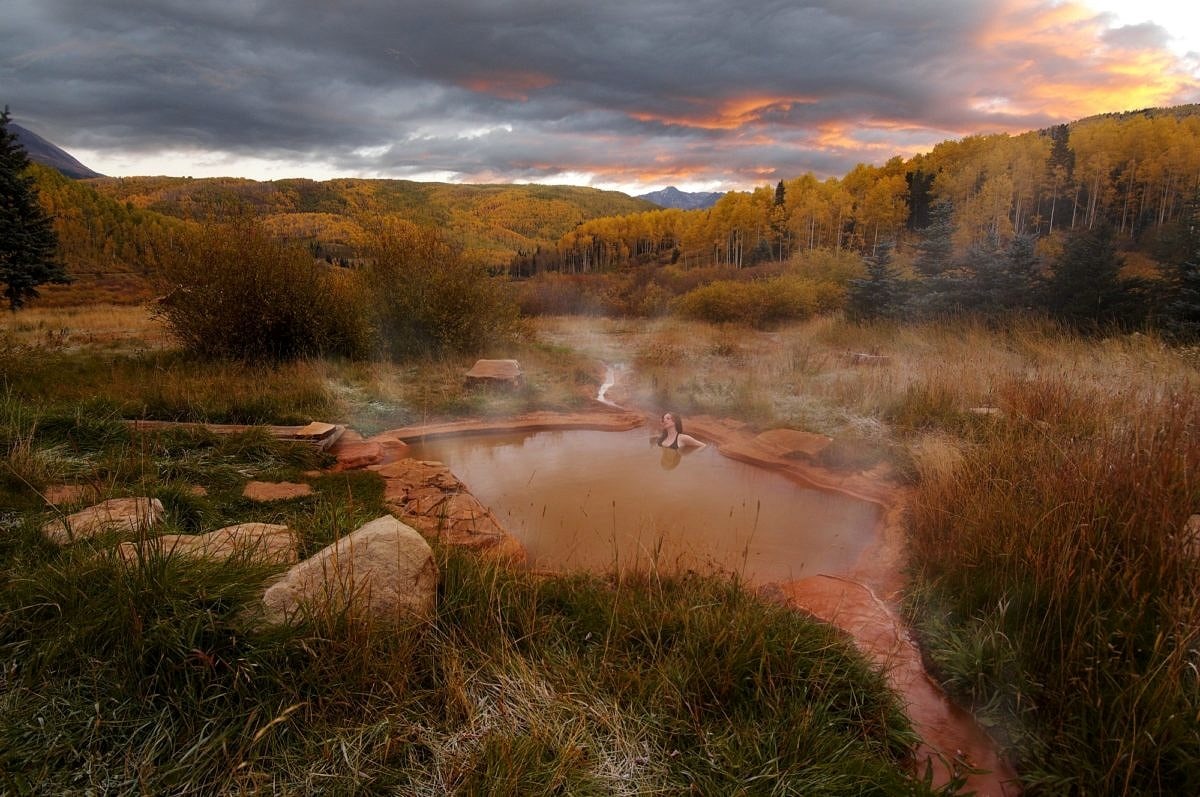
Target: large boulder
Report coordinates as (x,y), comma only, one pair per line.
(383,571)
(262,542)
(128,516)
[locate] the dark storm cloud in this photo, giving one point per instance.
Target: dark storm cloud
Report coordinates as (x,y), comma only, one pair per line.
(529,89)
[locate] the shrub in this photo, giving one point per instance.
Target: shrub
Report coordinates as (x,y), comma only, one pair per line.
(760,302)
(561,294)
(234,292)
(429,298)
(838,267)
(720,302)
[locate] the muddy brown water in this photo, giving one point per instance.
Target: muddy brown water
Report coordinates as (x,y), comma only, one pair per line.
(594,500)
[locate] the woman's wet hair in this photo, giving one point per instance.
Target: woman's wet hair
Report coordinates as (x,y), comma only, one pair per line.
(678,421)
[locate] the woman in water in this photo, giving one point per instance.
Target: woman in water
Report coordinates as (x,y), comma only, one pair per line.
(673,436)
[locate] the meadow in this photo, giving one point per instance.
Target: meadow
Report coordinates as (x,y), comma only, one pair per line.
(1050,580)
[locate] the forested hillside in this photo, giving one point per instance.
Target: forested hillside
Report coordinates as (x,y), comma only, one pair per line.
(490,222)
(111,230)
(110,248)
(1134,172)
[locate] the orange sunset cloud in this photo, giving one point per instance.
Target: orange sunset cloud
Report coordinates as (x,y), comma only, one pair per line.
(508,85)
(726,113)
(1064,66)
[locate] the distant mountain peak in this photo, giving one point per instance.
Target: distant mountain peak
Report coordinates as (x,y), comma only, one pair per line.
(42,151)
(672,197)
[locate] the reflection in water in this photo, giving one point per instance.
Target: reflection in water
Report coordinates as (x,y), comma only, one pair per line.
(584,499)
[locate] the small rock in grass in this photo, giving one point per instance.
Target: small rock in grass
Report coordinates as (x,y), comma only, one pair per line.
(262,542)
(128,515)
(275,491)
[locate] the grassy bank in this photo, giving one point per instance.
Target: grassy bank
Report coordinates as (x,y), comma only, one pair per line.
(150,677)
(1057,589)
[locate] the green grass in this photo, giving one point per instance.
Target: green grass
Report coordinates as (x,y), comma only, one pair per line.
(149,678)
(153,677)
(163,385)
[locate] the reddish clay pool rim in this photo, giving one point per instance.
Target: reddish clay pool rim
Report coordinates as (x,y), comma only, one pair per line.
(861,603)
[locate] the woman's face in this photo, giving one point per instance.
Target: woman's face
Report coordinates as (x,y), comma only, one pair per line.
(668,420)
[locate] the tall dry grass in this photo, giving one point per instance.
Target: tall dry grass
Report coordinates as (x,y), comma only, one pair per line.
(879,381)
(124,327)
(1059,586)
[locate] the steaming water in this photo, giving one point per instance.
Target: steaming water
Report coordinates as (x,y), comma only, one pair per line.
(592,500)
(610,379)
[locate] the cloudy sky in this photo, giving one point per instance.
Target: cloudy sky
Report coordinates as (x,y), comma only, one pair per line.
(701,94)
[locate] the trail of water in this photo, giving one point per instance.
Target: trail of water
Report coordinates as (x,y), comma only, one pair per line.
(610,379)
(953,741)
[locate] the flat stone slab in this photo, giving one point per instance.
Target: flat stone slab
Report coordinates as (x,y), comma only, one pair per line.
(275,491)
(352,455)
(125,515)
(315,431)
(506,371)
(429,497)
(601,420)
(262,542)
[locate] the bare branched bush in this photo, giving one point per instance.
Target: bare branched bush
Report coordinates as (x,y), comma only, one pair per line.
(232,291)
(428,297)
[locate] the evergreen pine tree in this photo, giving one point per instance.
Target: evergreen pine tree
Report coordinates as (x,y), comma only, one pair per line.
(934,261)
(761,253)
(1182,313)
(1023,267)
(881,295)
(28,244)
(935,249)
(1181,279)
(982,288)
(1085,289)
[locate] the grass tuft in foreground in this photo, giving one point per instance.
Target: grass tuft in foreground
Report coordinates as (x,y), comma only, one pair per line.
(149,677)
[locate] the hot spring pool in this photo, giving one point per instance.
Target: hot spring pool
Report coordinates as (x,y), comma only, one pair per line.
(594,500)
